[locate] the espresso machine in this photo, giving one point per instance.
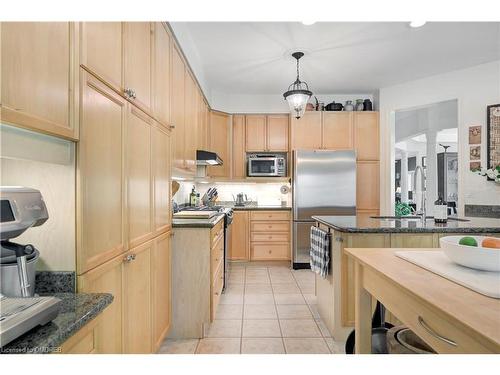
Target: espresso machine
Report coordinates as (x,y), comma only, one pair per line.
(20,310)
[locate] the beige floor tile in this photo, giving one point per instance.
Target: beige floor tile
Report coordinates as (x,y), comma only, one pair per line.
(258,289)
(238,278)
(260,312)
(299,328)
(286,288)
(289,299)
(235,288)
(261,328)
(336,347)
(306,346)
(219,346)
(262,346)
(224,328)
(264,279)
(314,311)
(178,346)
(307,288)
(259,299)
(304,276)
(231,299)
(225,312)
(257,272)
(323,328)
(282,278)
(294,312)
(310,298)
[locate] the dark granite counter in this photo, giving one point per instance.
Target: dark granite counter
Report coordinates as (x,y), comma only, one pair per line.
(366,224)
(77,309)
(197,223)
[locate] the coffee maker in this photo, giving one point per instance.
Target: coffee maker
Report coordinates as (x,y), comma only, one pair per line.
(20,209)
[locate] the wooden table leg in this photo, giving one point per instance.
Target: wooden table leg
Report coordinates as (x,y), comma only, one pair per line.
(363,312)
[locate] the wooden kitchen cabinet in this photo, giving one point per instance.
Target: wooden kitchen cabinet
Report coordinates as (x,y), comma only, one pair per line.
(39,76)
(161,288)
(139,192)
(219,138)
(137,332)
(366,135)
(202,131)
(240,236)
(256,133)
(306,131)
(101,46)
(190,123)
(107,278)
(367,185)
(270,235)
(100,234)
(277,133)
(337,132)
(161,75)
(161,175)
(239,156)
(178,110)
(138,43)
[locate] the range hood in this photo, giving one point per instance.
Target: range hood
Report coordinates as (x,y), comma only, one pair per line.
(207,158)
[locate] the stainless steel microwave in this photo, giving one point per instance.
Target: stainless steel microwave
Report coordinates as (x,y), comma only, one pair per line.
(266,165)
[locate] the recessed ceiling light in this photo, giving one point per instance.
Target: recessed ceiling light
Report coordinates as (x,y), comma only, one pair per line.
(308,23)
(416,24)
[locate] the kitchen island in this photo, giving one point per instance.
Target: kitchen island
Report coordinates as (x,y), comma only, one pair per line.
(335,293)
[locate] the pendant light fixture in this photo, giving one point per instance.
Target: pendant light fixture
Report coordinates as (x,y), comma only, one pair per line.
(298,93)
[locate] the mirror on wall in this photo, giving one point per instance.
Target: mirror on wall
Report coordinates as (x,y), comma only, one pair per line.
(426,136)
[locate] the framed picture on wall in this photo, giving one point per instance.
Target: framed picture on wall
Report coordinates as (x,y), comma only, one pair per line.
(475,135)
(493,135)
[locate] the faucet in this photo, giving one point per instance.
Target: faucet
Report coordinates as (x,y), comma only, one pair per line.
(422,188)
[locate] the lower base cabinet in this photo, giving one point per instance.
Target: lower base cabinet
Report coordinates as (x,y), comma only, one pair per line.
(139,317)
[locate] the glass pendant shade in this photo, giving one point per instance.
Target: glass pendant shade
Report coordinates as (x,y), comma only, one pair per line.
(298,93)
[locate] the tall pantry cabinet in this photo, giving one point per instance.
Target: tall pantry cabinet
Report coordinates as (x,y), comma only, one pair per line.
(124,162)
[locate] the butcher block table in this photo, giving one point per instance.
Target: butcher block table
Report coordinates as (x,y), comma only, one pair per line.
(447,316)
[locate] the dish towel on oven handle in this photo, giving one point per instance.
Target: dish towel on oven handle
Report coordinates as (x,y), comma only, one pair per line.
(320,251)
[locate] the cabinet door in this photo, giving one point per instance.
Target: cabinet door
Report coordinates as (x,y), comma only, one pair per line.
(367,185)
(202,123)
(161,285)
(160,140)
(220,124)
(178,134)
(366,135)
(277,133)
(137,327)
(306,131)
(191,125)
(138,47)
(107,278)
(139,202)
(161,75)
(338,130)
(256,133)
(240,233)
(102,51)
(239,155)
(38,75)
(100,174)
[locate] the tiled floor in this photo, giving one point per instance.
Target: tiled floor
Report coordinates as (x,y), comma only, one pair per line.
(267,309)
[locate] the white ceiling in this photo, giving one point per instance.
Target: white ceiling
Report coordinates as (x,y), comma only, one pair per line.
(253,57)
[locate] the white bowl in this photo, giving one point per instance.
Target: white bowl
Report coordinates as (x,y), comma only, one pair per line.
(481,258)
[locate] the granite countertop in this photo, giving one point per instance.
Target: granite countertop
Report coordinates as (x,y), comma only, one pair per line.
(255,206)
(77,309)
(197,223)
(366,224)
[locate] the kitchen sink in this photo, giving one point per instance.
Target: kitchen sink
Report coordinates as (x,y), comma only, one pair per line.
(413,217)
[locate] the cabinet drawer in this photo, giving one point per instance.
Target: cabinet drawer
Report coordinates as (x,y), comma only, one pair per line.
(270,226)
(217,284)
(217,257)
(216,232)
(265,251)
(269,237)
(269,215)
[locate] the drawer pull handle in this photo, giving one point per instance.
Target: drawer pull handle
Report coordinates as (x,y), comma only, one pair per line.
(436,335)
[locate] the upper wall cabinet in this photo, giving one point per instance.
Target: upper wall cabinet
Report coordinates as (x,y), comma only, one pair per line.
(178,110)
(161,74)
(38,76)
(256,133)
(277,132)
(238,154)
(101,46)
(337,132)
(138,46)
(191,122)
(266,133)
(220,130)
(366,135)
(306,131)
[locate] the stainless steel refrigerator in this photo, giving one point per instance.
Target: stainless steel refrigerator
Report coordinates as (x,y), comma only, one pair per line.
(324,183)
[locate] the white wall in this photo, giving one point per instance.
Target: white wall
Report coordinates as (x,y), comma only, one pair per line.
(474,88)
(47,164)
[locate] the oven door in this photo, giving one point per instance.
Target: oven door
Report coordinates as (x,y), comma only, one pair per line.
(262,167)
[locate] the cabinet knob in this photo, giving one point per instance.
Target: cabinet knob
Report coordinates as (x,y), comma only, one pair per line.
(129,258)
(172,126)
